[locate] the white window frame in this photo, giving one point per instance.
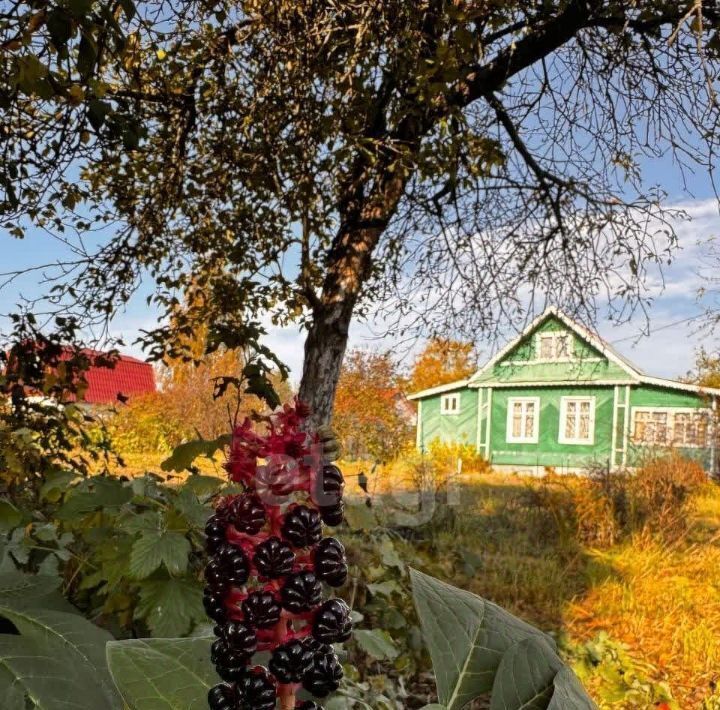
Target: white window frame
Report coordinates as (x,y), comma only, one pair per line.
(445,409)
(555,335)
(533,438)
(671,411)
(576,441)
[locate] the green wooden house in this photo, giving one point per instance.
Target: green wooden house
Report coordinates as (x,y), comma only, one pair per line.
(559,396)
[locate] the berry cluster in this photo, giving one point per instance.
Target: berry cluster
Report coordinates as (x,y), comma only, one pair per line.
(268,563)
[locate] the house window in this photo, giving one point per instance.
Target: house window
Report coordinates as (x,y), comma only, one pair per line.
(577,420)
(450,403)
(553,346)
(665,427)
(523,420)
(690,429)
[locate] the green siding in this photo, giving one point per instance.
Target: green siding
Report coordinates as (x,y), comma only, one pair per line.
(588,364)
(460,427)
(548,451)
(653,396)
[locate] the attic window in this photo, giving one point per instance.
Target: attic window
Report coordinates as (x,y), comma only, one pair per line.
(553,346)
(450,403)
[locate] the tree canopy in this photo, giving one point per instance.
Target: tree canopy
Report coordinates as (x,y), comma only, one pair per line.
(442,360)
(450,161)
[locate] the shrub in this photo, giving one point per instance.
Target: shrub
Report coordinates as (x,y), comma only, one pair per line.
(445,456)
(660,493)
(601,507)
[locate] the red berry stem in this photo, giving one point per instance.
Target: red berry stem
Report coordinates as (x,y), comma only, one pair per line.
(269,568)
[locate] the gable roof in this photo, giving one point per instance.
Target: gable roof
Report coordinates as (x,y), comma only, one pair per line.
(634,374)
(598,343)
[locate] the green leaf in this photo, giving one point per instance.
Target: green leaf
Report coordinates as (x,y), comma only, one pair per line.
(385,589)
(60,27)
(59,653)
(87,55)
(525,676)
(569,693)
(97,493)
(466,636)
(376,643)
(10,516)
(97,113)
(162,674)
(17,588)
(154,548)
(389,555)
(185,454)
(170,607)
(203,486)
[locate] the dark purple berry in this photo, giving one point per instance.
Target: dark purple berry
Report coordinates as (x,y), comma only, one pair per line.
(239,638)
(316,647)
(214,534)
(333,515)
(302,526)
(324,676)
(302,592)
(274,558)
(229,567)
(222,697)
(230,665)
(214,606)
(332,622)
(308,705)
(261,610)
(290,662)
(256,690)
(328,487)
(330,562)
(245,513)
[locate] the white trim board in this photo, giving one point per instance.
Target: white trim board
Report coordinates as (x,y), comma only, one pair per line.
(458,384)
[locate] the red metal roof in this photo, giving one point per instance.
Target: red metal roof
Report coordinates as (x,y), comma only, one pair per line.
(129,377)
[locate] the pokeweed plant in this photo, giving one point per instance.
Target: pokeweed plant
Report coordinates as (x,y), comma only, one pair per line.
(268,562)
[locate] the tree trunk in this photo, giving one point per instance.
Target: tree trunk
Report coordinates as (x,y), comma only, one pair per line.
(324,351)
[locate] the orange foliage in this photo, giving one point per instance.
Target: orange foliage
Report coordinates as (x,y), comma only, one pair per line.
(443,360)
(370,416)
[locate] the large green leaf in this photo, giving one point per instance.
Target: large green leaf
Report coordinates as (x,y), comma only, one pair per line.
(569,693)
(162,674)
(58,659)
(477,648)
(466,636)
(20,590)
(525,676)
(184,455)
(170,606)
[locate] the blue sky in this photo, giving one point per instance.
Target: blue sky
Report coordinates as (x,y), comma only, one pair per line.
(668,350)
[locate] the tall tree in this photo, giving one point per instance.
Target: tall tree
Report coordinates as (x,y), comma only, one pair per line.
(442,360)
(312,159)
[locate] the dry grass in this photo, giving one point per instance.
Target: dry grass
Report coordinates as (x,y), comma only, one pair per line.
(663,601)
